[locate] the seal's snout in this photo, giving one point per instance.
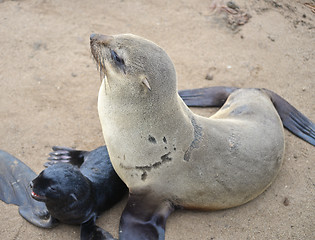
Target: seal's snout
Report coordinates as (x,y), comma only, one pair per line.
(98,38)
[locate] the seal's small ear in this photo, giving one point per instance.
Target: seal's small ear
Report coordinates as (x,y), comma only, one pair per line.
(146,83)
(73,197)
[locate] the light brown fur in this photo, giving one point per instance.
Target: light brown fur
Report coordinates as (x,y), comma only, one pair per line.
(156,144)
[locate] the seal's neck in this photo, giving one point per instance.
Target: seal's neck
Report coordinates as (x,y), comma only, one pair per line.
(155,124)
(147,106)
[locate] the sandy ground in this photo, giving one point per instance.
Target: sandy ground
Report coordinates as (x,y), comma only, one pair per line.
(49,86)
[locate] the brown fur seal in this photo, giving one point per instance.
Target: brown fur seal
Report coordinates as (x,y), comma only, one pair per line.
(170,157)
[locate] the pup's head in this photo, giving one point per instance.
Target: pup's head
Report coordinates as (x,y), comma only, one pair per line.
(61,182)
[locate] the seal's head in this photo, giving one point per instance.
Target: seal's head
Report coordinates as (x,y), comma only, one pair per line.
(133,65)
(66,192)
(60,183)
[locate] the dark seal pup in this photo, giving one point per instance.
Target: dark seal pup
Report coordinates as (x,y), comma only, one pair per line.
(170,157)
(76,188)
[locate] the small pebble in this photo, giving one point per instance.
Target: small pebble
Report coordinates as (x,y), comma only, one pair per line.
(271,38)
(232,5)
(209,77)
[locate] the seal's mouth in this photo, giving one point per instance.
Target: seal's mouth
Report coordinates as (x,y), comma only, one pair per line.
(38,197)
(99,60)
(97,43)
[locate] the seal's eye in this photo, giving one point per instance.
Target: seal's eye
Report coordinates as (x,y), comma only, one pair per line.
(116,58)
(52,188)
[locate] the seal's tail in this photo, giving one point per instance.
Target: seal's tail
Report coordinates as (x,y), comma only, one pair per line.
(291,118)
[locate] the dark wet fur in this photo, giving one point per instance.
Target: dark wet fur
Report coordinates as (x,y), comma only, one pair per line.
(75,194)
(76,187)
(67,193)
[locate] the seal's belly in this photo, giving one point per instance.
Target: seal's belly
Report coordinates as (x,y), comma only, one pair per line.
(229,172)
(239,155)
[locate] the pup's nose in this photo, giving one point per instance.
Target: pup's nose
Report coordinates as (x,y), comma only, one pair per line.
(31,184)
(99,38)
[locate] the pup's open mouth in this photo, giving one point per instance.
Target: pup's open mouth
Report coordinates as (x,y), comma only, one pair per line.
(38,197)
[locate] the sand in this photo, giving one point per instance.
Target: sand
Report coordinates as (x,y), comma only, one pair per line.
(49,86)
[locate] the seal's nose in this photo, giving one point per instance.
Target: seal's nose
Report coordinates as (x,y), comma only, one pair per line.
(98,38)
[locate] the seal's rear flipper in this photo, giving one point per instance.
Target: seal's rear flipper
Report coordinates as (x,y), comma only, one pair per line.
(206,97)
(144,218)
(89,231)
(15,178)
(38,215)
(292,119)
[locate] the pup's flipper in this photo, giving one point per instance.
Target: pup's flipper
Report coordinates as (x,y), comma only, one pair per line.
(15,178)
(66,154)
(293,119)
(206,97)
(89,231)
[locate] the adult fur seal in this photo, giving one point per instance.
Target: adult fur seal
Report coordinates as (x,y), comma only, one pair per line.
(76,188)
(170,157)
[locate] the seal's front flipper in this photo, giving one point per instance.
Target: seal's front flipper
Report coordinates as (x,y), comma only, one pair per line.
(292,119)
(38,215)
(206,97)
(66,154)
(15,178)
(144,218)
(75,157)
(89,231)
